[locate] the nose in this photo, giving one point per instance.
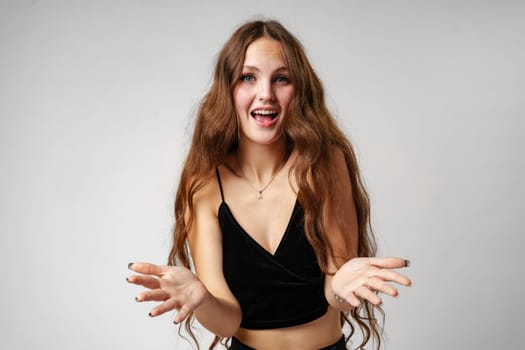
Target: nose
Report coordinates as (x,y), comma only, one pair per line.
(266,92)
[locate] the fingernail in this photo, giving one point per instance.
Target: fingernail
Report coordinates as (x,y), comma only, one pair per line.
(130,265)
(175,322)
(150,314)
(137,299)
(127,279)
(407,263)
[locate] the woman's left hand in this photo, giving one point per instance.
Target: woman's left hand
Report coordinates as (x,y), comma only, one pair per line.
(362,278)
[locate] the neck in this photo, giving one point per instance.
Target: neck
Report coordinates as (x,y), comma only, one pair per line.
(259,163)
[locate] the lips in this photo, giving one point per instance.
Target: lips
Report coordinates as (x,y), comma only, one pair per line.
(265,117)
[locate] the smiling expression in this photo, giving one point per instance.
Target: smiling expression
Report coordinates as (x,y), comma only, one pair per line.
(263,93)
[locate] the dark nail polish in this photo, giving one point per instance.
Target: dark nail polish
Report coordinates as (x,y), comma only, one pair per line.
(150,314)
(407,263)
(127,279)
(129,266)
(175,322)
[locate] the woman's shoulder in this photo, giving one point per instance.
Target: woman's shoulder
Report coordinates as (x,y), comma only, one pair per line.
(208,195)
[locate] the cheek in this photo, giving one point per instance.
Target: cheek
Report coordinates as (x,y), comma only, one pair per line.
(241,98)
(287,96)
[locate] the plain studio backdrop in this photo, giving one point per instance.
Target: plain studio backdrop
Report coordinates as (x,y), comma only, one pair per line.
(97,100)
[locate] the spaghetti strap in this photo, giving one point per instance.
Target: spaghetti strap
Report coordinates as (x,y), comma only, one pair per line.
(219,181)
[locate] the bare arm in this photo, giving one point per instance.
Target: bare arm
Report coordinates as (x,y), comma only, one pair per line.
(205,293)
(220,312)
(355,278)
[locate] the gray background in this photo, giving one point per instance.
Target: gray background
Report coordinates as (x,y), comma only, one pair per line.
(95,106)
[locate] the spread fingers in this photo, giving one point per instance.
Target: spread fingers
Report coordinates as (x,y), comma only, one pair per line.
(391,276)
(153,295)
(367,294)
(166,306)
(377,284)
(389,263)
(145,281)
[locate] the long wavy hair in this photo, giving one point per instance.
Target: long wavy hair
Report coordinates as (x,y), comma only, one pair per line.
(309,129)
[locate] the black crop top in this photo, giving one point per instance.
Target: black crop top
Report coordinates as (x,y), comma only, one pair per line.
(280,290)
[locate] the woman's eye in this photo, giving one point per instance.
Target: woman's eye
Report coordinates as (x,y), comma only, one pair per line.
(282,79)
(247,78)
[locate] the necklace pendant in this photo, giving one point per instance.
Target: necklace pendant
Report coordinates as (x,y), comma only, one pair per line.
(260,195)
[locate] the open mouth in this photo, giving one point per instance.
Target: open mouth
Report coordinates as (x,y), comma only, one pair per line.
(264,115)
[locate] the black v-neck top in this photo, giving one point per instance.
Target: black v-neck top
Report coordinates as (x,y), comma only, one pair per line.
(274,290)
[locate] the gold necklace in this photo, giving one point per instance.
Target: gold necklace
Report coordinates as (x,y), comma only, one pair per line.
(260,191)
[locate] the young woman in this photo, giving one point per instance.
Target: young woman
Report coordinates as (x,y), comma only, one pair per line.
(272,211)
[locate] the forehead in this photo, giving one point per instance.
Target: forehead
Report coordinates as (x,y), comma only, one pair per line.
(264,50)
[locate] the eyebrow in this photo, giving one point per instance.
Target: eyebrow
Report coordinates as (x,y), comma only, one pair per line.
(280,69)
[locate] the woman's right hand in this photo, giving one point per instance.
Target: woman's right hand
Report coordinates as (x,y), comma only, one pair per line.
(175,286)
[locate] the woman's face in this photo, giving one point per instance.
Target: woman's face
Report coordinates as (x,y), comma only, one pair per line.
(263,93)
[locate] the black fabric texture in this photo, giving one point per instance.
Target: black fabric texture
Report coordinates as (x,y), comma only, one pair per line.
(280,290)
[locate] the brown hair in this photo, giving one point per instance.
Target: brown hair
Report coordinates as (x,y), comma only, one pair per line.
(309,129)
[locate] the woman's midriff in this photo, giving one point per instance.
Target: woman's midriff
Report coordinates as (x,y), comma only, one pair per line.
(317,334)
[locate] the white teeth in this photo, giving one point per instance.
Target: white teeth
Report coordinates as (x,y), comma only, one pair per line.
(264,112)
